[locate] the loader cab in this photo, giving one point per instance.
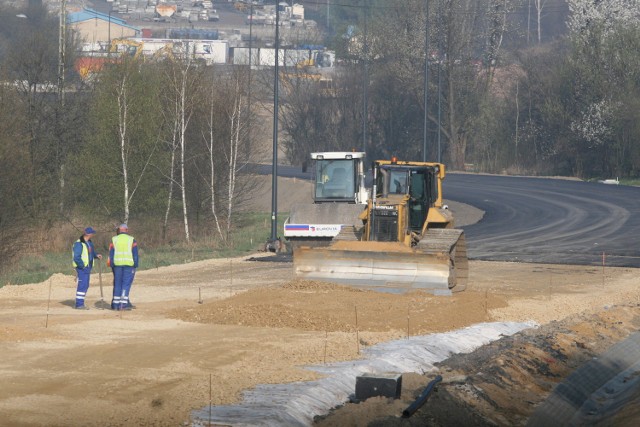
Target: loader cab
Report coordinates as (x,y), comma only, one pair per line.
(419,183)
(338,177)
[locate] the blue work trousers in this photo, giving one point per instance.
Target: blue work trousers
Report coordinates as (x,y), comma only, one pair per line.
(122,281)
(83,275)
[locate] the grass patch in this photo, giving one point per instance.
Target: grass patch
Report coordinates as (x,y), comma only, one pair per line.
(622,181)
(630,181)
(37,268)
(251,230)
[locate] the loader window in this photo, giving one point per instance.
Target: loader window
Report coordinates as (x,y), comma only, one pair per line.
(335,180)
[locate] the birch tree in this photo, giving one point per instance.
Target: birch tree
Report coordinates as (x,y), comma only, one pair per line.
(539,6)
(124,100)
(210,139)
(122,135)
(224,129)
(236,130)
(183,78)
(237,133)
(171,144)
(122,97)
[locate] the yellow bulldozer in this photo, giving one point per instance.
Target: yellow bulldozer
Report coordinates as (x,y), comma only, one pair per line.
(407,240)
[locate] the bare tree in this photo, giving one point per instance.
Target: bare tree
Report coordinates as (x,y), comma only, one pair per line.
(469,27)
(30,62)
(539,5)
(183,78)
(172,144)
(237,129)
(320,114)
(14,189)
(124,99)
(210,141)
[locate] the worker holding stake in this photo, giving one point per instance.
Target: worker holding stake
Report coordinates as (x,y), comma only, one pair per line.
(83,256)
(123,259)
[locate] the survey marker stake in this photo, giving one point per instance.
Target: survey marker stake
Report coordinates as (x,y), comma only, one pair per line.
(100,280)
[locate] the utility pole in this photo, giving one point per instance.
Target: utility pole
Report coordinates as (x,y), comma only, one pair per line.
(528,20)
(60,149)
(440,56)
(365,90)
(426,81)
(62,33)
(109,35)
(439,107)
(251,34)
(274,167)
(249,79)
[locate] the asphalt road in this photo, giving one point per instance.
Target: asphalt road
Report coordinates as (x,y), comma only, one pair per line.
(543,220)
(549,220)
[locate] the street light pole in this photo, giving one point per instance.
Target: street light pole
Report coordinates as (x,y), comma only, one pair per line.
(251,33)
(109,35)
(249,79)
(61,149)
(365,89)
(61,49)
(274,167)
(440,58)
(426,81)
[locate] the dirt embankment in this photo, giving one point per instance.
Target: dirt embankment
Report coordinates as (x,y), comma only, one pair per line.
(504,382)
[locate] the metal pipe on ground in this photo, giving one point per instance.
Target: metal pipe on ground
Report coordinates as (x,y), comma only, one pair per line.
(422,399)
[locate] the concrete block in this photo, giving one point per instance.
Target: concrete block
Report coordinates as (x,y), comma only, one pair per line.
(385,385)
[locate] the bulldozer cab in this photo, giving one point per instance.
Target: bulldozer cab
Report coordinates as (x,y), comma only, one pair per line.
(411,185)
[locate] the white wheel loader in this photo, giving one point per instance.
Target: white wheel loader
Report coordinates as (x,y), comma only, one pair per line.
(339,196)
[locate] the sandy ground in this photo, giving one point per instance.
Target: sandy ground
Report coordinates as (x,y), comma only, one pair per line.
(206,331)
(153,365)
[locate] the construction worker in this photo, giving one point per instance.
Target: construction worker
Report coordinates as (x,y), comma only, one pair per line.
(83,256)
(123,259)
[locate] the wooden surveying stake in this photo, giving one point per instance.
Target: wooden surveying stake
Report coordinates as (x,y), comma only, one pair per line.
(46,323)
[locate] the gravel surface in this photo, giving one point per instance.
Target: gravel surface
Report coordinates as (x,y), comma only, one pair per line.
(256,325)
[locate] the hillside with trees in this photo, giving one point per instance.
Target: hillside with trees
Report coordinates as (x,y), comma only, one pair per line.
(539,87)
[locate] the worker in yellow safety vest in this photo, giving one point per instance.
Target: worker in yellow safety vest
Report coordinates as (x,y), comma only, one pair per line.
(123,259)
(83,255)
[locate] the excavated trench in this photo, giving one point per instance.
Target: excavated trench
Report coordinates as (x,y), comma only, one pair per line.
(582,370)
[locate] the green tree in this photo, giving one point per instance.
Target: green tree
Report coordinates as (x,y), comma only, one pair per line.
(15,191)
(124,130)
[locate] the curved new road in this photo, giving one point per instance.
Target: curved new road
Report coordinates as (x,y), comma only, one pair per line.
(549,220)
(543,220)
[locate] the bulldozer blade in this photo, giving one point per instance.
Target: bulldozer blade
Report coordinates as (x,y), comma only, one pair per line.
(383,266)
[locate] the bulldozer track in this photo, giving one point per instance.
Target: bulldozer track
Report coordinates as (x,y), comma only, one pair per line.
(349,233)
(449,241)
